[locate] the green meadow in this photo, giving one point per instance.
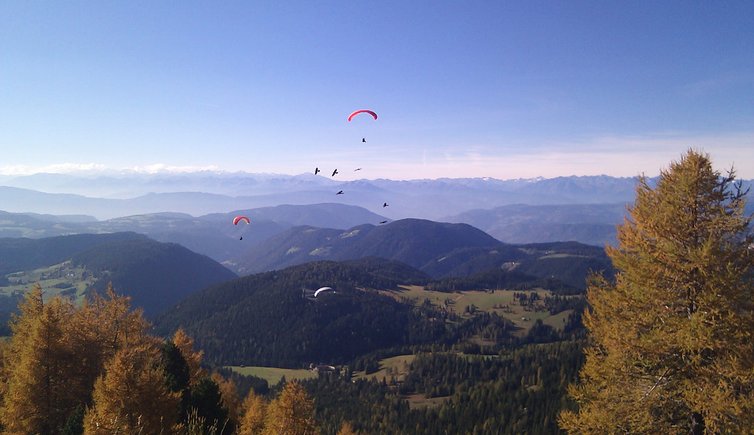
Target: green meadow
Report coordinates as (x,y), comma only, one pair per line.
(273,374)
(501,302)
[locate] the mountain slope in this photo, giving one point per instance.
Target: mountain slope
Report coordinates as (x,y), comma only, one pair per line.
(156,275)
(438,249)
(272,319)
(17,254)
(211,235)
(411,241)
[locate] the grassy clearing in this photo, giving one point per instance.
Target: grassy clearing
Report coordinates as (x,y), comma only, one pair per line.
(396,366)
(273,374)
(558,320)
(500,302)
(62,279)
(418,401)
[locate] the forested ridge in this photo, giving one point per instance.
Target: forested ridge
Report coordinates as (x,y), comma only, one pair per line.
(273,318)
(156,275)
(23,254)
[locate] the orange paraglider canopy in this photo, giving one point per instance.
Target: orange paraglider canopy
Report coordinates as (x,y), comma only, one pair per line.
(374,115)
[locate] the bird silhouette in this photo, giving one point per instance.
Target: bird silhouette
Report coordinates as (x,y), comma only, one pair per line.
(316,170)
(357,169)
(384,204)
(363,140)
(383,222)
(334,172)
(340,192)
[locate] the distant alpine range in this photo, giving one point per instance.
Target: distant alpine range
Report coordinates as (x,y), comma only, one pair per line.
(190,208)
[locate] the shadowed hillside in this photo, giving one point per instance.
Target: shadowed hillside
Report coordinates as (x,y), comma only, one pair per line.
(272,318)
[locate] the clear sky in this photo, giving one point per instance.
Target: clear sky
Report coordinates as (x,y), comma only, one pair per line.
(502,89)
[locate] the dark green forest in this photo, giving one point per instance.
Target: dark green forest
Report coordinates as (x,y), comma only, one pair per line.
(485,374)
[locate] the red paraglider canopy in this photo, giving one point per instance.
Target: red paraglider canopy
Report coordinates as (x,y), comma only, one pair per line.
(374,115)
(238,219)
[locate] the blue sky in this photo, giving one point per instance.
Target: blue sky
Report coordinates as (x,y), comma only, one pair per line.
(463,89)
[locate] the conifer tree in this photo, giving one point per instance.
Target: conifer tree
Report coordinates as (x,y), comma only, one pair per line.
(206,399)
(230,400)
(132,396)
(346,429)
(36,398)
(193,357)
(115,324)
(56,353)
(96,331)
(291,413)
(21,325)
(254,411)
(671,347)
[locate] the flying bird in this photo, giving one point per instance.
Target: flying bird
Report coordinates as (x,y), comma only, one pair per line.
(334,172)
(357,169)
(383,222)
(340,192)
(316,170)
(384,204)
(363,140)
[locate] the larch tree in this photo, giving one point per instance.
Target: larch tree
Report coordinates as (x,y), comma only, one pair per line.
(229,395)
(56,353)
(254,409)
(671,346)
(40,362)
(193,357)
(97,330)
(346,429)
(291,413)
(132,396)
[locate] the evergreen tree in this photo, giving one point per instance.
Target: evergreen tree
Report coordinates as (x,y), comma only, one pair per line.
(672,348)
(206,399)
(175,366)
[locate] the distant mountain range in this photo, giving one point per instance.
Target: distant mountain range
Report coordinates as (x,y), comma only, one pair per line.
(582,209)
(593,224)
(202,193)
